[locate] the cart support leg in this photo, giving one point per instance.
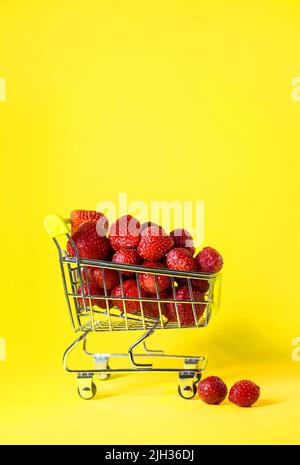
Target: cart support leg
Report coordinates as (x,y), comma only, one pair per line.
(192,364)
(131,356)
(71,348)
(187,387)
(101,363)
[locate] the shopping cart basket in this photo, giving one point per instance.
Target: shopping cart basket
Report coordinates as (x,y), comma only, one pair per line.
(93,314)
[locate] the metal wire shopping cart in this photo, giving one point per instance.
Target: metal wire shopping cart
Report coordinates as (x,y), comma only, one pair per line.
(93,314)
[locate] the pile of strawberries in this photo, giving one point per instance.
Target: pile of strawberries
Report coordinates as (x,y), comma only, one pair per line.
(127,242)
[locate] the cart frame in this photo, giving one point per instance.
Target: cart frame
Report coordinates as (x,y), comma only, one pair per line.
(86,319)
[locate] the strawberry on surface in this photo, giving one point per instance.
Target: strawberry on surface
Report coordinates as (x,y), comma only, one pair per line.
(79,217)
(89,244)
(244,393)
(127,257)
(212,390)
(181,259)
(147,280)
(154,243)
(209,260)
(185,310)
(182,238)
(125,233)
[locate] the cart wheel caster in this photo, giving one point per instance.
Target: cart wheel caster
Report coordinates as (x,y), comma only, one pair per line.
(188,392)
(86,387)
(87,393)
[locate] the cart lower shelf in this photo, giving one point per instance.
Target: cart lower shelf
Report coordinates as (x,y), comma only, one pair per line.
(189,373)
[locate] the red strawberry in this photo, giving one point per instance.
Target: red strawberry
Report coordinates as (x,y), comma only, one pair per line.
(110,255)
(79,217)
(130,289)
(86,274)
(94,290)
(147,280)
(209,260)
(89,244)
(146,225)
(111,277)
(127,257)
(151,309)
(163,261)
(154,243)
(201,284)
(212,390)
(125,233)
(244,393)
(102,302)
(185,311)
(182,238)
(181,259)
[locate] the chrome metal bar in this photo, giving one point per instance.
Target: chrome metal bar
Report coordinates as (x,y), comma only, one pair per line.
(141,339)
(151,351)
(64,282)
(72,347)
(176,304)
(106,301)
(159,303)
(140,300)
(142,269)
(192,299)
(159,354)
(144,299)
(136,367)
(123,297)
(208,309)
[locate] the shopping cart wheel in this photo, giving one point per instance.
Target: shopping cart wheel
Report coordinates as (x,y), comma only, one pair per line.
(187,387)
(86,387)
(187,392)
(87,393)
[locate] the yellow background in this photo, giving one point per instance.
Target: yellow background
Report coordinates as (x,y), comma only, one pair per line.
(185,100)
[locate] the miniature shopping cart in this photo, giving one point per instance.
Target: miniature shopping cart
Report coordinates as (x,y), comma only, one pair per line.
(88,318)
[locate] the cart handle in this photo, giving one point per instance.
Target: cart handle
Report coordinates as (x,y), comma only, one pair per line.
(56,226)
